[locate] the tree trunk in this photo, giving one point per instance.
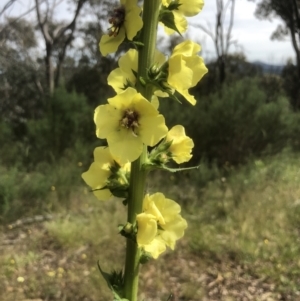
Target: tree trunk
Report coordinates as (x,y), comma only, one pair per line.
(222,70)
(49,69)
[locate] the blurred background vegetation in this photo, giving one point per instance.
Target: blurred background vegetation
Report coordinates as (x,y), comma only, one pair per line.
(242,203)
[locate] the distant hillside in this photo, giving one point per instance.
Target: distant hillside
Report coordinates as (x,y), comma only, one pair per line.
(268,68)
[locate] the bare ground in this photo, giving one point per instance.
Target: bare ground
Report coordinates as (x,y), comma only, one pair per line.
(52,272)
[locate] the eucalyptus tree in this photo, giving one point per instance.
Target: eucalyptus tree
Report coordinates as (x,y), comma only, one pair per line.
(221,34)
(289,13)
(21,83)
(55,34)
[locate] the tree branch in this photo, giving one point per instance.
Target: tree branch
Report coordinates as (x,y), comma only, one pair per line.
(6,6)
(16,19)
(207,31)
(296,10)
(43,24)
(228,37)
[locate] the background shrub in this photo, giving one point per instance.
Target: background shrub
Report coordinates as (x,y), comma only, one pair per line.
(235,123)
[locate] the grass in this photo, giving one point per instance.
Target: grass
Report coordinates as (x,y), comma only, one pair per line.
(254,219)
(245,225)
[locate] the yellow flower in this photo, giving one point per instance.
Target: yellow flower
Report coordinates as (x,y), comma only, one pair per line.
(147,237)
(20,279)
(51,273)
(123,77)
(186,8)
(128,122)
(160,225)
(186,68)
(99,172)
(126,22)
(181,146)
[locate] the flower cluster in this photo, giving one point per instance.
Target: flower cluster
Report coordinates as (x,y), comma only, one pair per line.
(133,127)
(184,70)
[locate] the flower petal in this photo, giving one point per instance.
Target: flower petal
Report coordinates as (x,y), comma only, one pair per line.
(147,228)
(152,129)
(172,228)
(99,172)
(191,8)
(181,146)
(186,68)
(103,194)
(156,247)
(124,145)
(129,62)
(173,231)
(109,44)
(133,23)
(107,119)
(180,22)
(117,80)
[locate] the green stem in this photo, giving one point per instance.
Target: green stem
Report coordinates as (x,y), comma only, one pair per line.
(138,175)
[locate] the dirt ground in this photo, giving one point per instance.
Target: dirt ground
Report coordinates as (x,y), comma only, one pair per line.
(188,276)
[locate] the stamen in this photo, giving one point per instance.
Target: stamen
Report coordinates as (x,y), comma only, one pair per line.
(117,20)
(130,121)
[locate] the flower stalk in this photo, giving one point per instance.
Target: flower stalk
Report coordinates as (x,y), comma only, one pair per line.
(130,122)
(138,174)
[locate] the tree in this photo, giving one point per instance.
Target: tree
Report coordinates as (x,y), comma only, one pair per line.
(291,84)
(21,87)
(236,68)
(56,37)
(289,12)
(221,37)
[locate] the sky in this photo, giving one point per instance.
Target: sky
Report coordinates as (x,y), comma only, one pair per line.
(252,35)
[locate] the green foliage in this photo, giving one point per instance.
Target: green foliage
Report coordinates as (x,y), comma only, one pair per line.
(260,223)
(246,221)
(8,191)
(235,123)
(10,150)
(86,80)
(241,121)
(48,187)
(22,194)
(68,120)
(291,80)
(236,68)
(67,124)
(19,94)
(44,164)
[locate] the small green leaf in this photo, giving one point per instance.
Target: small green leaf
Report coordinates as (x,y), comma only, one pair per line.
(167,18)
(170,298)
(115,282)
(153,166)
(105,275)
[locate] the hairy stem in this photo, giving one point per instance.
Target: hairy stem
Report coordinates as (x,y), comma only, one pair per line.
(138,175)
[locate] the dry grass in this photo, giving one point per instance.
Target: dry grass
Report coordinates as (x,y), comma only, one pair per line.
(243,243)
